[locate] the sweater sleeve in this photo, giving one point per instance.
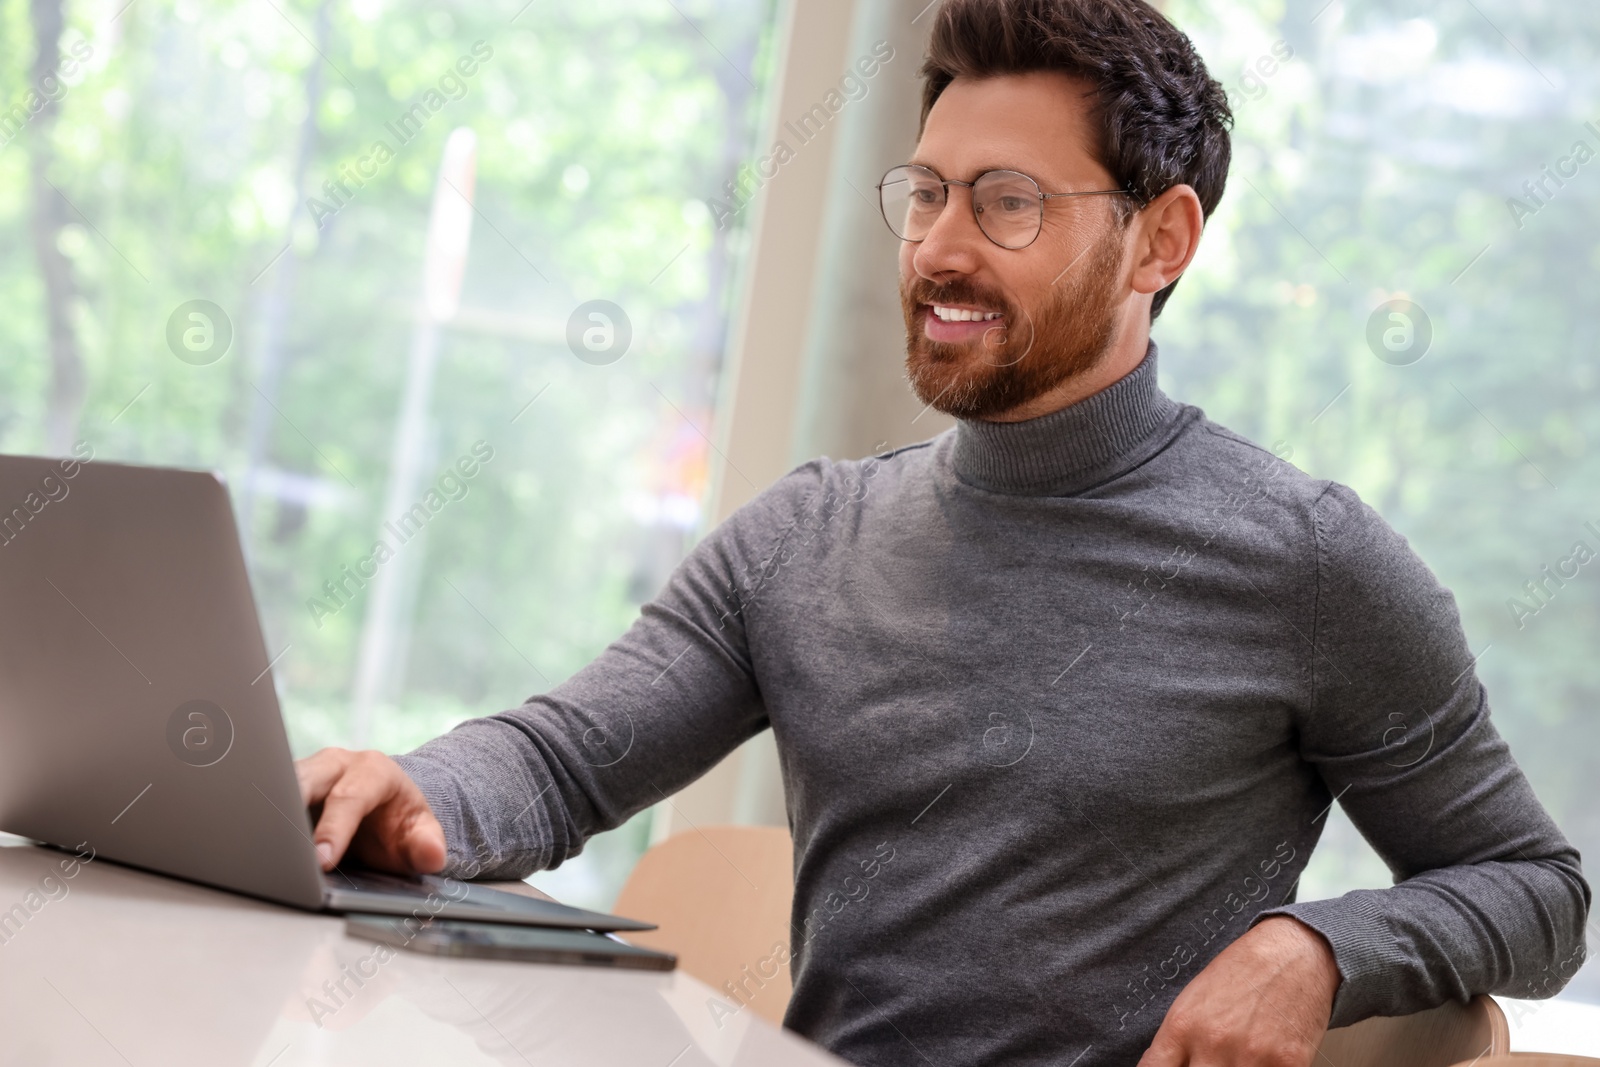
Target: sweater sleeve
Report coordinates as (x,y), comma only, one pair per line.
(1488,895)
(522,790)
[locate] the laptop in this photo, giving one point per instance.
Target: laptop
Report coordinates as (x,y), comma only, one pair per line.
(138,717)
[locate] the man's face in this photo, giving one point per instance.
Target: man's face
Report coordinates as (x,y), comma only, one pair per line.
(1059,298)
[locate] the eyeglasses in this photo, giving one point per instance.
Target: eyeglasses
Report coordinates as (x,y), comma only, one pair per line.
(1008,205)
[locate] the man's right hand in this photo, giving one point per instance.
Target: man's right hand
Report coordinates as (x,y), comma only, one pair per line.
(372,808)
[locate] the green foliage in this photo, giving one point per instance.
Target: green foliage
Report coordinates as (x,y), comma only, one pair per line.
(602,129)
(1378,161)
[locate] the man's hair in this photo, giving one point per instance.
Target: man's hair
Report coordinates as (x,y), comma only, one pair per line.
(1160,119)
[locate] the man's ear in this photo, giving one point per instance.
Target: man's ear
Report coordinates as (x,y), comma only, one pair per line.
(1166,237)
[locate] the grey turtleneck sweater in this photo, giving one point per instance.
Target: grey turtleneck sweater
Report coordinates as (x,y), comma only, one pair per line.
(1061,706)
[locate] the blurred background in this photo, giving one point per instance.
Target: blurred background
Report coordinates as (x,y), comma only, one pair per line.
(331,249)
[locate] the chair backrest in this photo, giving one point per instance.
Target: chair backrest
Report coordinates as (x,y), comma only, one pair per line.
(1439,1037)
(721,897)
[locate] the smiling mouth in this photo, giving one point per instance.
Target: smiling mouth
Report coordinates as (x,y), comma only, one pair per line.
(945,313)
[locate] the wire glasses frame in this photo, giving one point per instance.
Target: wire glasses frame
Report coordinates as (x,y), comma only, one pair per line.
(1007,204)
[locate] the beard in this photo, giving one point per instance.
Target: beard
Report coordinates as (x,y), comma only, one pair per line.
(1025,358)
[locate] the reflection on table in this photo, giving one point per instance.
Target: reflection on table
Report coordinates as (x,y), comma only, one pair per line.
(109,965)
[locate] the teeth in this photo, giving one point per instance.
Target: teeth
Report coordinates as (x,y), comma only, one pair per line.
(963,315)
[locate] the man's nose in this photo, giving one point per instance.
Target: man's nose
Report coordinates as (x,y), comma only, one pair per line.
(954,243)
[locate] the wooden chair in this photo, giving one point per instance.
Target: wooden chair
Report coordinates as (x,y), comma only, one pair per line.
(1439,1037)
(721,897)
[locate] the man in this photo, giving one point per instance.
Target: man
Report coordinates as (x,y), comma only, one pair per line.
(1063,695)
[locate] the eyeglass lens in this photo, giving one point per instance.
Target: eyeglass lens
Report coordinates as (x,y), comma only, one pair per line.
(1006,203)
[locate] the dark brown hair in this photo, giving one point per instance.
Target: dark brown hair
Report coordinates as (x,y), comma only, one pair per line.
(1161,119)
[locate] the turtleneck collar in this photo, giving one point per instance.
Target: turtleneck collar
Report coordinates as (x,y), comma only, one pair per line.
(1073,449)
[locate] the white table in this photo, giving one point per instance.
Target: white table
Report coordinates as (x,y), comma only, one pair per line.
(118,967)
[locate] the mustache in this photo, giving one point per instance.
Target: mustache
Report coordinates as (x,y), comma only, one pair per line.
(959,292)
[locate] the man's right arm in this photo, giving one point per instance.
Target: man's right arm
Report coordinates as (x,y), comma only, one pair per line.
(508,794)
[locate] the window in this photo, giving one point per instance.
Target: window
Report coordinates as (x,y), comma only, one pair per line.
(442,278)
(1397,292)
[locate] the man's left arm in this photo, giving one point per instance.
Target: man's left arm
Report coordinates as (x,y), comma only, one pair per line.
(1489,895)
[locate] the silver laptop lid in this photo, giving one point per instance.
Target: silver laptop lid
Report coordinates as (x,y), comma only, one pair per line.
(137,714)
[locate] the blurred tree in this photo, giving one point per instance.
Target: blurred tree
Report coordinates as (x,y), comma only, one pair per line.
(195,140)
(67,380)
